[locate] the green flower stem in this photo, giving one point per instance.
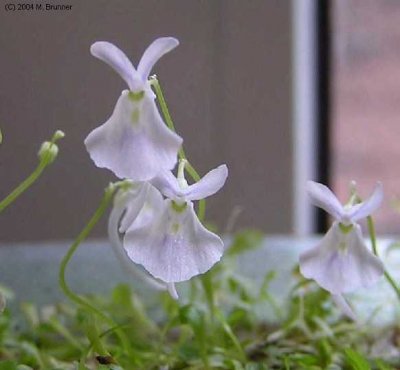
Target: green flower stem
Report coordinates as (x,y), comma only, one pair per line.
(28,182)
(208,287)
(105,202)
(231,335)
(164,108)
(372,235)
(168,119)
(44,161)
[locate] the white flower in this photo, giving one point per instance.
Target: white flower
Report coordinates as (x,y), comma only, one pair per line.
(341,262)
(171,243)
(134,143)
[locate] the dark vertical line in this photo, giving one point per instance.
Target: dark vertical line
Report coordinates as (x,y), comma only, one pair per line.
(323,89)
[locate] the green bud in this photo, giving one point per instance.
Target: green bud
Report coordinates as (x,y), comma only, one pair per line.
(58,135)
(48,151)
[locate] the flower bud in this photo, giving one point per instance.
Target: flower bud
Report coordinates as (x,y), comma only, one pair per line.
(48,152)
(58,135)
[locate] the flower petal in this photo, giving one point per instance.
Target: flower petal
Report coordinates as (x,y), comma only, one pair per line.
(134,143)
(341,262)
(214,180)
(153,53)
(132,202)
(113,224)
(322,197)
(367,207)
(208,185)
(175,246)
(152,205)
(167,184)
(116,59)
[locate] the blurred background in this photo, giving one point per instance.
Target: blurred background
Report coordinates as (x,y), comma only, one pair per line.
(280,91)
(365,101)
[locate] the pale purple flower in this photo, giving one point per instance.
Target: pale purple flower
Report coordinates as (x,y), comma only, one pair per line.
(341,262)
(171,243)
(134,142)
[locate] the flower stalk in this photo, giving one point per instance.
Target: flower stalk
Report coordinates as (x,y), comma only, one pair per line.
(372,236)
(201,212)
(104,204)
(47,154)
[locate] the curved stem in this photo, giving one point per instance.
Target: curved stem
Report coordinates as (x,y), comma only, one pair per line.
(164,109)
(105,202)
(23,186)
(231,335)
(46,157)
(168,119)
(372,235)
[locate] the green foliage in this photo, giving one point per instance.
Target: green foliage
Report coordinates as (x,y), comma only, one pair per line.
(355,360)
(215,326)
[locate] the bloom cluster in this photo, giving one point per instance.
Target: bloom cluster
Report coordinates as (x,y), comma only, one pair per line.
(153,212)
(153,222)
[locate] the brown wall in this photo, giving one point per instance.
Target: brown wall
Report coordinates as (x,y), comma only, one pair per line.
(228,86)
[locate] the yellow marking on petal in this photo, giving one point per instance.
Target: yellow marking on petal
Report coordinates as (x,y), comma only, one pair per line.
(343,248)
(136,96)
(175,228)
(178,208)
(135,116)
(345,229)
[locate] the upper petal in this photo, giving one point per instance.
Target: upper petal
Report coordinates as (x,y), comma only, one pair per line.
(116,59)
(167,184)
(341,262)
(208,184)
(322,197)
(134,143)
(153,53)
(175,246)
(367,207)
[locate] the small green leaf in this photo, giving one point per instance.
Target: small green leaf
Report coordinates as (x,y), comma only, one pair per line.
(355,360)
